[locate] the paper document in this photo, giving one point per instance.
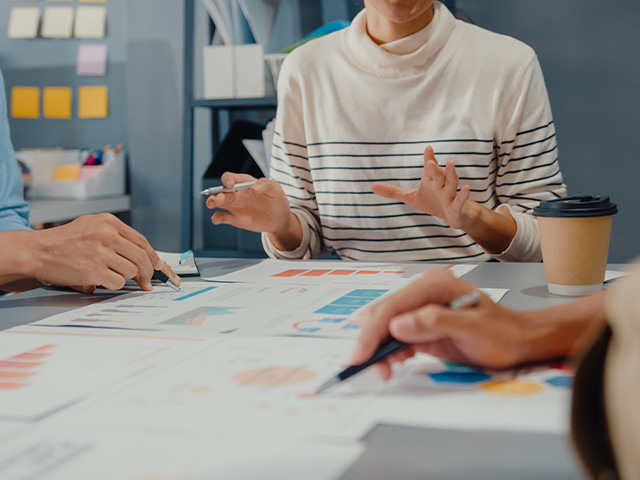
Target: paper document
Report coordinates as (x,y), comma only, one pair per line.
(257,152)
(73,453)
(45,373)
(259,388)
(334,273)
(204,309)
(611,275)
(494,294)
(181,263)
(198,309)
(427,392)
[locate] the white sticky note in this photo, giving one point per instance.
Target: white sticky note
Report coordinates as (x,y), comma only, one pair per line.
(92,59)
(90,22)
(57,22)
(23,22)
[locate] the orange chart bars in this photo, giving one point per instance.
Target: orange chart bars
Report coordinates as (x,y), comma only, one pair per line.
(320,272)
(17,369)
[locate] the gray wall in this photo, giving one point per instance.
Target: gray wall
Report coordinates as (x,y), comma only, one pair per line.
(155,35)
(590,56)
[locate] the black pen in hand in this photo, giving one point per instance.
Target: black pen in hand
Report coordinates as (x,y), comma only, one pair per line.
(393,346)
(160,275)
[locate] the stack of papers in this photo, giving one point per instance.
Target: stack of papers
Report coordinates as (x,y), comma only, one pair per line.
(218,380)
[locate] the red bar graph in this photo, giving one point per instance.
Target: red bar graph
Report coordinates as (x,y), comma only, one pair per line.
(290,273)
(315,273)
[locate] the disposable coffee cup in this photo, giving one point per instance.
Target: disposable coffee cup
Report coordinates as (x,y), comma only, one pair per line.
(574,236)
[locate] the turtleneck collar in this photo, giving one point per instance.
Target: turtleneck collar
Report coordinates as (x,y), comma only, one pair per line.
(400,58)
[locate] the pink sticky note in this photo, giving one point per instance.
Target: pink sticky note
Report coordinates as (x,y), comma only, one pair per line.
(92,59)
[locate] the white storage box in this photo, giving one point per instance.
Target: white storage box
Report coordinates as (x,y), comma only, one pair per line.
(105,181)
(236,71)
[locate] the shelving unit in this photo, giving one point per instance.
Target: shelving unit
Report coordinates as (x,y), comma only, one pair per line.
(221,114)
(311,16)
(53,211)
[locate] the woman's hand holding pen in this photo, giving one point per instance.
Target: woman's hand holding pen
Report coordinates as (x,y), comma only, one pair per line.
(484,335)
(438,195)
(262,208)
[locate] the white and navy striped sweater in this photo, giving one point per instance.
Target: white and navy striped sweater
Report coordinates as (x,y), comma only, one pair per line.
(351,112)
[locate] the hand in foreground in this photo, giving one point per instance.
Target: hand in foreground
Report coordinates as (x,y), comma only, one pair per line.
(262,208)
(436,195)
(483,335)
(94,250)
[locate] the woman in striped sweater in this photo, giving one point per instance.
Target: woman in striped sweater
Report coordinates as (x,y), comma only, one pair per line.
(366,114)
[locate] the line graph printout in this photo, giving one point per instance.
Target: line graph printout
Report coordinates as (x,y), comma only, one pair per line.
(335,272)
(40,374)
(61,453)
(218,308)
(261,387)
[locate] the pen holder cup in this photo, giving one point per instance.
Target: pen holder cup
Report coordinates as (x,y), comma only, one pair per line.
(105,180)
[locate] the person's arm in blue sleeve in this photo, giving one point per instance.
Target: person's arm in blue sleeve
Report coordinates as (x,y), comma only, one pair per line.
(14,211)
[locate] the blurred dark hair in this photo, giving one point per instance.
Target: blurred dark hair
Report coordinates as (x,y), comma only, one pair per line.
(589,425)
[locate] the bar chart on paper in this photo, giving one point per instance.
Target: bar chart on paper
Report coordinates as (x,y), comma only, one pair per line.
(17,370)
(334,273)
(341,272)
(328,312)
(39,376)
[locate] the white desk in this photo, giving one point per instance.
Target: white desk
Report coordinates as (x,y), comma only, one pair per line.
(400,452)
(51,211)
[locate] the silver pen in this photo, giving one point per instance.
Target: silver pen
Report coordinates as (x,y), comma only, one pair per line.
(221,189)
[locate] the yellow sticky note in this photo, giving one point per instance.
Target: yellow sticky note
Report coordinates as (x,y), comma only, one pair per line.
(65,173)
(93,102)
(25,102)
(56,102)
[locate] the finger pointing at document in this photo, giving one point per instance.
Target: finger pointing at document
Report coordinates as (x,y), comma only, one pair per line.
(94,250)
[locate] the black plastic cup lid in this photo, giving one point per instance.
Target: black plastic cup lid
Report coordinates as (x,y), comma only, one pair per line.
(581,206)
